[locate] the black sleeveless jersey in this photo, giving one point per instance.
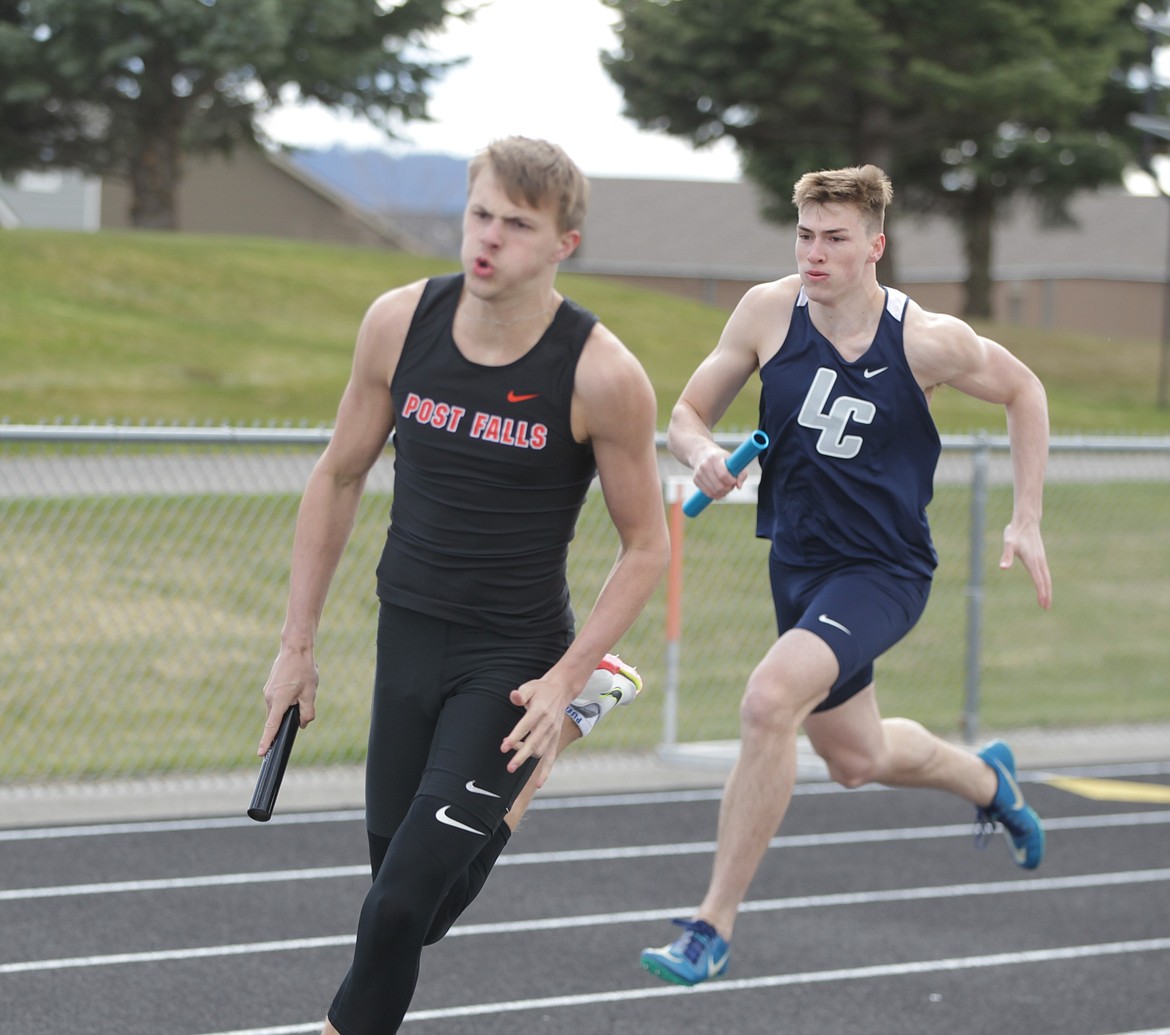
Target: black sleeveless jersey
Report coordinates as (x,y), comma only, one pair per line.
(488,479)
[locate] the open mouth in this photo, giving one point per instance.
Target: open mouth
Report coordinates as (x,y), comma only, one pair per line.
(482,266)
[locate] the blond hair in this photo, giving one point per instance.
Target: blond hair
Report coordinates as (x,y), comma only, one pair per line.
(537,173)
(864,186)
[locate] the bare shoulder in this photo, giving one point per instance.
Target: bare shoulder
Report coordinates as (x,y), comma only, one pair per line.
(383,330)
(946,350)
(770,297)
(611,386)
(758,326)
(393,310)
(939,347)
(365,414)
(608,366)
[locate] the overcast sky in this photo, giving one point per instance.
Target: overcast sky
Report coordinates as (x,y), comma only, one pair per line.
(534,69)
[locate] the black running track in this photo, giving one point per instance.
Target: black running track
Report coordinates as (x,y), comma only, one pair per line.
(872,914)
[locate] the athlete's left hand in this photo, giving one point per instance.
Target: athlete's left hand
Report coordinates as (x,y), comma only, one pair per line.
(1022,539)
(537,734)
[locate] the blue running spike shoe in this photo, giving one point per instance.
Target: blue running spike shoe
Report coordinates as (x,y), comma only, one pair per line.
(1021,825)
(613,682)
(695,955)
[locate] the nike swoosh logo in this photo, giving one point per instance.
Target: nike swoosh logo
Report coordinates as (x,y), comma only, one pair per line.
(442,817)
(836,625)
(875,371)
(714,966)
(1015,787)
(515,397)
(474,788)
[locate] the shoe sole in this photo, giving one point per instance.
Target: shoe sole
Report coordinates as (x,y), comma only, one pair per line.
(618,668)
(664,973)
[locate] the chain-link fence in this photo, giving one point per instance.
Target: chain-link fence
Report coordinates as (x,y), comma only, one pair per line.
(144,574)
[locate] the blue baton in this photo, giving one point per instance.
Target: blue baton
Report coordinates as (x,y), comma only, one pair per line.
(745,453)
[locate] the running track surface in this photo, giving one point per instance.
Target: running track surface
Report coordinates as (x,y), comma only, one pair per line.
(873,914)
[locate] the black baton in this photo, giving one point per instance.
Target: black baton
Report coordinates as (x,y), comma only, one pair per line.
(273,766)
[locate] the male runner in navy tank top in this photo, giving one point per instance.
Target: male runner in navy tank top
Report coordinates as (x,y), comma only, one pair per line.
(505,400)
(847,369)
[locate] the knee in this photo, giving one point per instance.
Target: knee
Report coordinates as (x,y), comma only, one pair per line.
(388,913)
(407,889)
(851,769)
(768,706)
(788,683)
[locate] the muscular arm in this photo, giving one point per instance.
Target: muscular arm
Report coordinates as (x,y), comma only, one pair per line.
(951,353)
(329,505)
(754,330)
(614,407)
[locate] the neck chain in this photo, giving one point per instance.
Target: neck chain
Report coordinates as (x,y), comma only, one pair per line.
(512,323)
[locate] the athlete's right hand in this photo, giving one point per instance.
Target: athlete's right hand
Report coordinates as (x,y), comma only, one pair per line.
(1022,539)
(293,680)
(536,735)
(711,475)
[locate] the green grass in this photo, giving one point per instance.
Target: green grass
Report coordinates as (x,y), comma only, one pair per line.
(184,328)
(139,629)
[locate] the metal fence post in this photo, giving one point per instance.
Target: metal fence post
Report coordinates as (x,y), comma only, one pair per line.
(673,615)
(981,462)
(179,537)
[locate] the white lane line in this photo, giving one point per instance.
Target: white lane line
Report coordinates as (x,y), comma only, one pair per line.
(658,851)
(618,800)
(176,826)
(1000,959)
(724,985)
(215,880)
(848,898)
(171,955)
(848,837)
(855,898)
(314,1028)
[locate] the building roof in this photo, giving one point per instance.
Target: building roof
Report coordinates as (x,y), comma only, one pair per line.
(51,200)
(682,228)
(636,227)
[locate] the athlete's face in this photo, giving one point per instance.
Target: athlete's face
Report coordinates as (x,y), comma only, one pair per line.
(508,244)
(833,249)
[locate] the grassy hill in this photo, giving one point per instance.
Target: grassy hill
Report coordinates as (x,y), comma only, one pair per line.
(182,328)
(123,610)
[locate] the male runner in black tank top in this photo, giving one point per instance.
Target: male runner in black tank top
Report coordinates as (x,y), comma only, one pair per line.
(504,399)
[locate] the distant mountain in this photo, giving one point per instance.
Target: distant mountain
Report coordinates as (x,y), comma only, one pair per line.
(384,183)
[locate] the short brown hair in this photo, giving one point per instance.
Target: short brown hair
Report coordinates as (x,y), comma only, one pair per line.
(536,172)
(865,186)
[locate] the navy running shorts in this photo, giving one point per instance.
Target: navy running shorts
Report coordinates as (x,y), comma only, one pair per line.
(860,611)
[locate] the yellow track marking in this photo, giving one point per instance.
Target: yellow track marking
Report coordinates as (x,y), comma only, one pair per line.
(1112,790)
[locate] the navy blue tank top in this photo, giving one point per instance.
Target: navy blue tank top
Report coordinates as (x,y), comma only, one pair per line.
(850,468)
(488,479)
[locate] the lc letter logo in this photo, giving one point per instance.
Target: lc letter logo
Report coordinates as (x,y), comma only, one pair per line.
(832,422)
